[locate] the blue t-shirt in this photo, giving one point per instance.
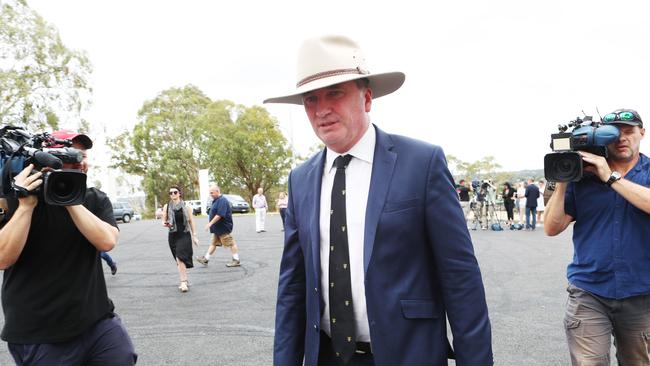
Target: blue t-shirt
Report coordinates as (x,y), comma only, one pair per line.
(610,237)
(221,207)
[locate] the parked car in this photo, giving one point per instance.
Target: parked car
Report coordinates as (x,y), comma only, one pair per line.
(196,206)
(122,211)
(237,204)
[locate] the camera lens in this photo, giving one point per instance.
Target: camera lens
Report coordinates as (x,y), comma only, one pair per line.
(563,167)
(64,188)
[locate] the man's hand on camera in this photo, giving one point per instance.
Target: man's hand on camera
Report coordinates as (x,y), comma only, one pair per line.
(25,181)
(598,165)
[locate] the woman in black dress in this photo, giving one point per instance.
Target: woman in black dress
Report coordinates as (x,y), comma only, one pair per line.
(508,201)
(177,216)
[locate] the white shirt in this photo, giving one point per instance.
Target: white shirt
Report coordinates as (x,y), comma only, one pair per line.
(357,185)
(259,201)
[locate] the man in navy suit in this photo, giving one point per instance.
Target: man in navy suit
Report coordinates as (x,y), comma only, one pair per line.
(408,260)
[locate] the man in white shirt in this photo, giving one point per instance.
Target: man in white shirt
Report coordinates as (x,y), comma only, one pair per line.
(377,254)
(260,206)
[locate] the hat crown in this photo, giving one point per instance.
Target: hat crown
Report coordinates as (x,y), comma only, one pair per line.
(327,56)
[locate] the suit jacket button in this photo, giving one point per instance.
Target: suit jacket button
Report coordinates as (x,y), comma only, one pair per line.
(316,327)
(315,289)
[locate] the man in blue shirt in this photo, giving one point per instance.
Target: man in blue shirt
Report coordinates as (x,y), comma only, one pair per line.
(532,193)
(609,277)
(220,226)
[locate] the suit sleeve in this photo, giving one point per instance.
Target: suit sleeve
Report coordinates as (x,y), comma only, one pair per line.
(459,273)
(290,312)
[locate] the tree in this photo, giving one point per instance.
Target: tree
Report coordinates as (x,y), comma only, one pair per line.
(182,131)
(41,80)
(164,147)
(249,152)
(485,167)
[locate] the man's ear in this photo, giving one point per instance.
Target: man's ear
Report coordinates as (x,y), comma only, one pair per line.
(367,95)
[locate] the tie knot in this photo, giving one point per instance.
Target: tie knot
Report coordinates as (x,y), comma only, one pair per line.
(342,161)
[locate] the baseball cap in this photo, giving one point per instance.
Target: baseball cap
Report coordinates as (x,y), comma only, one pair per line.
(74,136)
(623,116)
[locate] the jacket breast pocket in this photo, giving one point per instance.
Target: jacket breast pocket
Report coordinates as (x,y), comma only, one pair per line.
(400,205)
(419,309)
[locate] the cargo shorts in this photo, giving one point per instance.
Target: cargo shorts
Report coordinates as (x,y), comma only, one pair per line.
(225,240)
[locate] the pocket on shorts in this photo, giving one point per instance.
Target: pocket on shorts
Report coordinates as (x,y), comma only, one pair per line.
(571,323)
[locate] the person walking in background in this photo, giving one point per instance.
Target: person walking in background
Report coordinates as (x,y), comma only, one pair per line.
(609,276)
(508,196)
(56,306)
(220,225)
(463,190)
(111,263)
(377,254)
(540,200)
(260,206)
(532,193)
(282,203)
(521,201)
(177,216)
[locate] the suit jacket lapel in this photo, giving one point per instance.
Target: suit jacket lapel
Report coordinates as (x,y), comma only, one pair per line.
(315,182)
(382,171)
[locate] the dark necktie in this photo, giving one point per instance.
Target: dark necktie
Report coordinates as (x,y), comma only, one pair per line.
(340,288)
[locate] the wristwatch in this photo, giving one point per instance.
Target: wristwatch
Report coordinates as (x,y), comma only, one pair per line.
(613,178)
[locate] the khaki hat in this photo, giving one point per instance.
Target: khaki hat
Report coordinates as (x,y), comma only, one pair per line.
(330,60)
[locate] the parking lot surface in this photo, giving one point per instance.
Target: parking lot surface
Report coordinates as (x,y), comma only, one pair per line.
(227,317)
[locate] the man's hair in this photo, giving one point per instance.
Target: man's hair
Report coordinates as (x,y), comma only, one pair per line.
(462,181)
(362,83)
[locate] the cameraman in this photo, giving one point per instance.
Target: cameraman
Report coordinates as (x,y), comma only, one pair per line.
(54,297)
(609,278)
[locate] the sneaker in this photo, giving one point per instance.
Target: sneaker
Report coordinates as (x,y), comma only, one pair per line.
(183,286)
(114,268)
(202,260)
(233,263)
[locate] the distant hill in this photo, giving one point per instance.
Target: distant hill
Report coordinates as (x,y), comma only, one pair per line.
(522,175)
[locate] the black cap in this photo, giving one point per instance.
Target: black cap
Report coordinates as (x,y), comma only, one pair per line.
(616,118)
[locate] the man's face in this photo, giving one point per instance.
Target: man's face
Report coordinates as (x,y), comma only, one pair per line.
(260,191)
(83,165)
(338,114)
(628,144)
(214,193)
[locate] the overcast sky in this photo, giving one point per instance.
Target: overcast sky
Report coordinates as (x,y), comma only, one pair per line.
(482,77)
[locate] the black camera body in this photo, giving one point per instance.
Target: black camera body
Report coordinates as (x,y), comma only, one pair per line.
(18,149)
(565,163)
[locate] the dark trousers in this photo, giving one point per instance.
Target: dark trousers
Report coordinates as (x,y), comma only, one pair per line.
(105,343)
(327,357)
(283,212)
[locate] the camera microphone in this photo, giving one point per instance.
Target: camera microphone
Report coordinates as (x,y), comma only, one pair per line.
(45,159)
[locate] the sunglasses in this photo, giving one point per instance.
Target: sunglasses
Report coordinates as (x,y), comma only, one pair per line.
(620,116)
(173,192)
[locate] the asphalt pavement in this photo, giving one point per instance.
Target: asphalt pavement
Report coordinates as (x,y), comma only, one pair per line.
(227,317)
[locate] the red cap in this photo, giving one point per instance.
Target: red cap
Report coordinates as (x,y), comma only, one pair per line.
(74,136)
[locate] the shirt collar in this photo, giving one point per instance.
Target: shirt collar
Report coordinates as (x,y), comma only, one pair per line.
(363,150)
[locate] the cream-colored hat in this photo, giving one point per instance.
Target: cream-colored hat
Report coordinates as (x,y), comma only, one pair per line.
(330,60)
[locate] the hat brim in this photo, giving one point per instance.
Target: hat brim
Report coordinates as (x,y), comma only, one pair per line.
(629,123)
(381,84)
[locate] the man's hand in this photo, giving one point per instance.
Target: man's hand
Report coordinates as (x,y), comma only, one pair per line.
(195,240)
(207,226)
(598,165)
(27,181)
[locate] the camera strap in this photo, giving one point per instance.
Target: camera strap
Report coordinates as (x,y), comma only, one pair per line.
(21,192)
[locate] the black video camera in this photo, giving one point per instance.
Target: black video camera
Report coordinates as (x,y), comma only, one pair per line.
(565,164)
(18,149)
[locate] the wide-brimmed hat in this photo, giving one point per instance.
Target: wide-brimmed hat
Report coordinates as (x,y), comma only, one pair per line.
(330,60)
(74,136)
